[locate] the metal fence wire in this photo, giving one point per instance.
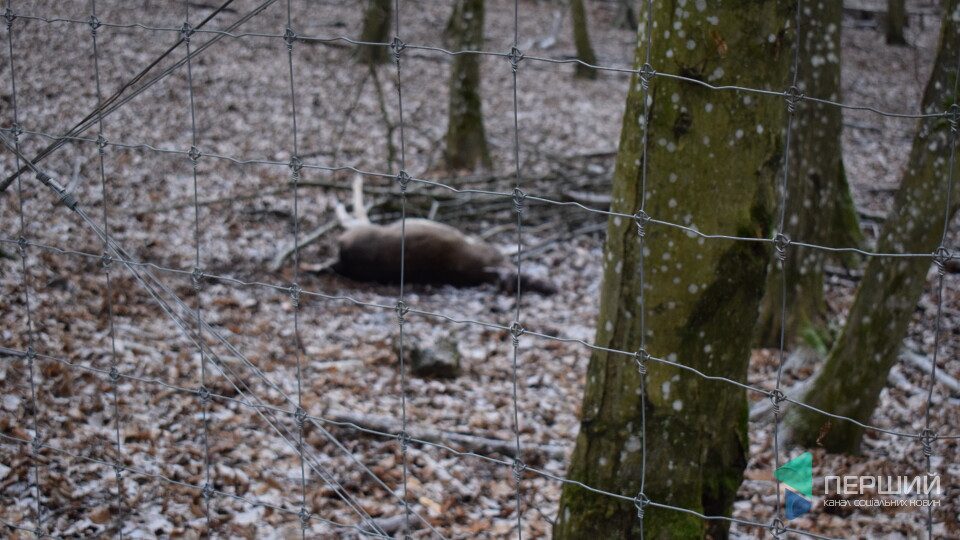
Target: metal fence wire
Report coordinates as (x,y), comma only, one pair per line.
(226,372)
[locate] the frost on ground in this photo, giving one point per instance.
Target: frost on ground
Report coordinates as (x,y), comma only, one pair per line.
(329,348)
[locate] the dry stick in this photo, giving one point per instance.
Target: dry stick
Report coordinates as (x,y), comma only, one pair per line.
(207,202)
(358,91)
(314,235)
(469,443)
(391,151)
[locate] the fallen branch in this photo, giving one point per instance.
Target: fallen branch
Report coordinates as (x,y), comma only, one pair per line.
(911,355)
(314,235)
(460,441)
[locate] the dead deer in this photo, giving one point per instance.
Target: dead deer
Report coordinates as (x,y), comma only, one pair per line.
(433,252)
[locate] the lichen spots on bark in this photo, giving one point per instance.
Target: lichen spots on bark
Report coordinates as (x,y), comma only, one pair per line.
(717,188)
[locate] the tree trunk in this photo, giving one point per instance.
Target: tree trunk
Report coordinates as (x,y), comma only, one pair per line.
(626,17)
(817,187)
(466,139)
(895,22)
(712,160)
(376,29)
(581,40)
(856,369)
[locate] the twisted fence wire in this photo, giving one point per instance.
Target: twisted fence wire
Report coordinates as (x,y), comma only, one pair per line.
(21,244)
(295,168)
(940,256)
(202,394)
(397,46)
(645,73)
(151,283)
(516,329)
(108,289)
(781,244)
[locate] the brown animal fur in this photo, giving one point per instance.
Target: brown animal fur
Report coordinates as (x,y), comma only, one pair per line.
(433,253)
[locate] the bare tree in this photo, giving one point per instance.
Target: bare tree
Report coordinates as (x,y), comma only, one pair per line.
(673,295)
(895,21)
(376,29)
(466,138)
(581,39)
(856,369)
(819,209)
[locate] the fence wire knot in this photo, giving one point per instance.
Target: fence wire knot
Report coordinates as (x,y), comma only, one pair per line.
(793,97)
(641,357)
(518,467)
(515,57)
(288,37)
(203,394)
(94,23)
(516,331)
(31,355)
(941,257)
(777,397)
(9,16)
(518,199)
(641,219)
(105,261)
(304,518)
(114,374)
(403,178)
(187,31)
(295,291)
(117,470)
(22,247)
(295,166)
(402,310)
(953,116)
(646,73)
(35,444)
(197,278)
(927,437)
(194,154)
(780,243)
(101,144)
(207,491)
(778,529)
(397,46)
(17,130)
(641,501)
(404,439)
(300,416)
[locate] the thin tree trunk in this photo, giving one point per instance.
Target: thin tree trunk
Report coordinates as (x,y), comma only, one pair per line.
(817,187)
(376,29)
(895,22)
(581,40)
(700,297)
(466,138)
(856,369)
(626,16)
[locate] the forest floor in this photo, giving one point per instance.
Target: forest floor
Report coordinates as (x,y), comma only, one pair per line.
(331,351)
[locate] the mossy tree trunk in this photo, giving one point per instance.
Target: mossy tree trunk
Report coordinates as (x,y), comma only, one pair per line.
(896,20)
(856,369)
(712,162)
(376,29)
(819,209)
(466,138)
(581,40)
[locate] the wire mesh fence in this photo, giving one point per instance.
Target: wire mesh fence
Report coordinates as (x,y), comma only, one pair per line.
(157,146)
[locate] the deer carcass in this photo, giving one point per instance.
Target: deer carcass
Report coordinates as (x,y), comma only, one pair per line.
(432,253)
